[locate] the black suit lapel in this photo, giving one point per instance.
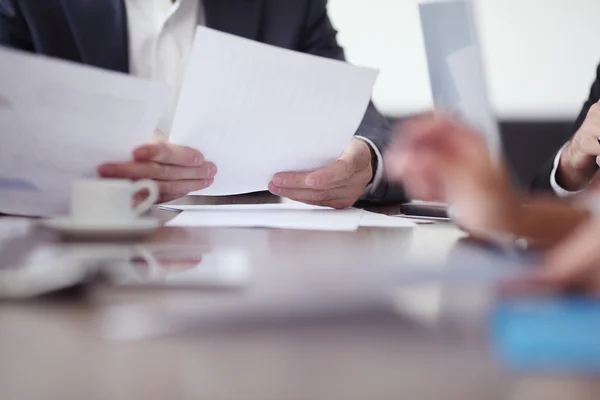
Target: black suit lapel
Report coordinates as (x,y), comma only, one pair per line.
(238,17)
(100,31)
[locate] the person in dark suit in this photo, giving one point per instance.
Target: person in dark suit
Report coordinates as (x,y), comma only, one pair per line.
(574,166)
(153,39)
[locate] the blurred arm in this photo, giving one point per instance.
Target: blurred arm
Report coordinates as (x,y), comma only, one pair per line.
(544,221)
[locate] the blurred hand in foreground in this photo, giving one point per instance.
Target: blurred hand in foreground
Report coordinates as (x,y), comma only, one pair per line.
(574,265)
(176,169)
(439,159)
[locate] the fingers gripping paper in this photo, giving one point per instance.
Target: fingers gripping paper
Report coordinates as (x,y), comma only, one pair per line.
(255,110)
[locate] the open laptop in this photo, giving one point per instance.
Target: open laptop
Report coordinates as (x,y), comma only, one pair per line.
(455,65)
(457,78)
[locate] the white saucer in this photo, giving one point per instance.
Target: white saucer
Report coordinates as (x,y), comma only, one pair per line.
(134,229)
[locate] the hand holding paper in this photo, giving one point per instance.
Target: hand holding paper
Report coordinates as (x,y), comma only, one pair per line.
(177,170)
(338,185)
(257,110)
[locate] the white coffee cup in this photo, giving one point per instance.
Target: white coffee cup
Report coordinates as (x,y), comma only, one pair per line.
(110,201)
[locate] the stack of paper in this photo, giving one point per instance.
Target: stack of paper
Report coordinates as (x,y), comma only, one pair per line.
(375,220)
(60,121)
(287,216)
(284,216)
(255,110)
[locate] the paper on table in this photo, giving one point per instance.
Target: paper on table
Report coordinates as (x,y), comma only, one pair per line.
(60,121)
(255,110)
(269,216)
(367,219)
(245,207)
(374,220)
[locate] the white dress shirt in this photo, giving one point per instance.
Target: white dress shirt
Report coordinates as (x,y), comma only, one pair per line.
(161,36)
(559,190)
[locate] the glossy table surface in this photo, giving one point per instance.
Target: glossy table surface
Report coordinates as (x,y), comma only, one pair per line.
(345,341)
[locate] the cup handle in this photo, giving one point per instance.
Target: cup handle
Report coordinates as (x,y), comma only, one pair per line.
(152,195)
(154,268)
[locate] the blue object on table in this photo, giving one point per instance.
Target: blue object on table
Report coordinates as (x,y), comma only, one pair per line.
(548,335)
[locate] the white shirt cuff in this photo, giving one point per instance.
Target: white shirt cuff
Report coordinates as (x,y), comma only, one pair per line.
(560,191)
(379,172)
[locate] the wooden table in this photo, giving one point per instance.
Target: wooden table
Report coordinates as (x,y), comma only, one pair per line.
(432,344)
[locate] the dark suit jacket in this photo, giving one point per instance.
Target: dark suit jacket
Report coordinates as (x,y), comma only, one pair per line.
(541,182)
(94,32)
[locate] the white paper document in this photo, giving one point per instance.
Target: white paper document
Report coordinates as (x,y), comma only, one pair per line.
(255,110)
(245,207)
(281,216)
(60,121)
(375,220)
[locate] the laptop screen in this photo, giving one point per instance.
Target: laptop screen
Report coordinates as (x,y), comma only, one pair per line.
(455,66)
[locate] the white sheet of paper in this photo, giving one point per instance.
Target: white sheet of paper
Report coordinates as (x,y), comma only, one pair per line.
(245,207)
(60,121)
(374,220)
(283,216)
(255,110)
(367,219)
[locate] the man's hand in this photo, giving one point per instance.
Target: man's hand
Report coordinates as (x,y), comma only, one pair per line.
(339,185)
(176,169)
(579,158)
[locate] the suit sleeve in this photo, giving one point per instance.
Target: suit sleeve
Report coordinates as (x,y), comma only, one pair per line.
(320,38)
(541,182)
